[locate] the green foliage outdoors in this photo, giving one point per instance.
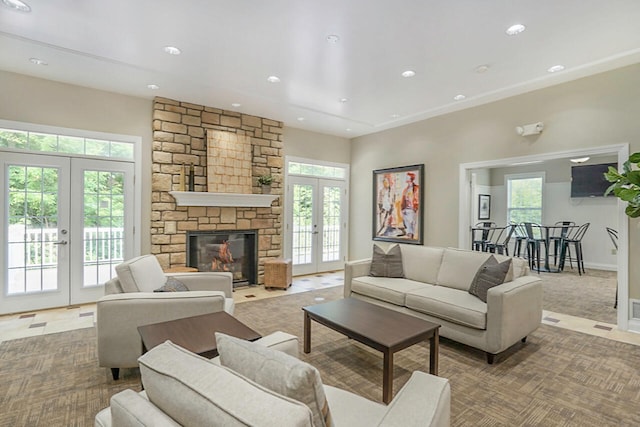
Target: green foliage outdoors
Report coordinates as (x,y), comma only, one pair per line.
(626,185)
(525,200)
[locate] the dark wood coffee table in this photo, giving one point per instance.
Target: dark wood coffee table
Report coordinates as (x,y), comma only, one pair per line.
(380,328)
(197,333)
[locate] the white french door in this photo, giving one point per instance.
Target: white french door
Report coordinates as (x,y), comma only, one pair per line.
(65,223)
(316,224)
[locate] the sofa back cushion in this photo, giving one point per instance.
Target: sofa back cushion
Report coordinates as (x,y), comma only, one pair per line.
(141,274)
(196,392)
(459,267)
(278,372)
(421,263)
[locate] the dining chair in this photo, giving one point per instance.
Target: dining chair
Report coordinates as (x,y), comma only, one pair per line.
(520,235)
(487,228)
(535,239)
(500,242)
(613,235)
(574,238)
(560,231)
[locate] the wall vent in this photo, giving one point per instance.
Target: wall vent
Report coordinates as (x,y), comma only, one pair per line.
(635,309)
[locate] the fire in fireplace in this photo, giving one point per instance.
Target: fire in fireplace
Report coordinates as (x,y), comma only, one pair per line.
(235,251)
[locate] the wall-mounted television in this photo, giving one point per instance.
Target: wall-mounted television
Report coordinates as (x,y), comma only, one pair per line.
(588,180)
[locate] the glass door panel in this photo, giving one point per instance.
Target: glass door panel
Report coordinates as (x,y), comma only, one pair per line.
(333,225)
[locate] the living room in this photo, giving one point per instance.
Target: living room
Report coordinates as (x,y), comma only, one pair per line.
(582,113)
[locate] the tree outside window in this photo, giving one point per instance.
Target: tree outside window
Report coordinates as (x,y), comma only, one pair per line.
(524,198)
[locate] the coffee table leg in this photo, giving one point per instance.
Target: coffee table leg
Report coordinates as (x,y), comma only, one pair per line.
(307,333)
(433,353)
(387,377)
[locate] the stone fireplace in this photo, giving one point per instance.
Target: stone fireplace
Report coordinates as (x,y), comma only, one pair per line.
(231,251)
(182,134)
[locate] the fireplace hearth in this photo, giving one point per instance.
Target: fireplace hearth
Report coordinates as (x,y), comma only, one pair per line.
(234,251)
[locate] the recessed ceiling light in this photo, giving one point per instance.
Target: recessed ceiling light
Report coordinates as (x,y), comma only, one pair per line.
(172,50)
(343,100)
(556,68)
(18,5)
(333,38)
(482,69)
(236,104)
(459,97)
(408,73)
(515,29)
(348,129)
(301,119)
(153,87)
(395,116)
(580,159)
(273,79)
(37,61)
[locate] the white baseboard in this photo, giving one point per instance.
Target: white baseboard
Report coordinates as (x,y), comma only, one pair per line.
(634,326)
(598,266)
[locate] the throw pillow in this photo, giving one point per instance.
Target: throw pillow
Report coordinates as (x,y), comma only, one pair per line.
(278,372)
(172,285)
(490,274)
(386,264)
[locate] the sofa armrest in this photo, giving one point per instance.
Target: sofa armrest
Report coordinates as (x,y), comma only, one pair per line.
(514,310)
(353,269)
(119,315)
(207,281)
(425,400)
(129,409)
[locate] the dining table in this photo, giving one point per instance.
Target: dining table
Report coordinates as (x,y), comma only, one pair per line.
(546,232)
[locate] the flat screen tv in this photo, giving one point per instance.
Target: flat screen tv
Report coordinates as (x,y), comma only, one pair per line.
(588,180)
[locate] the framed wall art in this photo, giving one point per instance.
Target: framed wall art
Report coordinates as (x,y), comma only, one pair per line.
(484,206)
(398,204)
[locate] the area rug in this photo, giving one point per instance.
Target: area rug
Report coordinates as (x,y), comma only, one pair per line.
(557,378)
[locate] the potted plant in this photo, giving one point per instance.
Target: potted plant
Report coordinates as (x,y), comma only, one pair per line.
(265,181)
(626,185)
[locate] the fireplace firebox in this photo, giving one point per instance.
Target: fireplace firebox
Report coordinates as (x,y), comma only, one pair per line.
(235,251)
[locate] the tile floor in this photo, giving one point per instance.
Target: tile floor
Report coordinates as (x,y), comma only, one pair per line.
(83,316)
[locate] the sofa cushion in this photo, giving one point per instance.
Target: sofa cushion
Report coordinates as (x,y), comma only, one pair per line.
(386,263)
(195,392)
(140,274)
(172,285)
(421,263)
(385,289)
(449,304)
(459,267)
(489,275)
(278,372)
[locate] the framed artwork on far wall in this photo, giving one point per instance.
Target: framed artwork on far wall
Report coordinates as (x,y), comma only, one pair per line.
(398,195)
(484,206)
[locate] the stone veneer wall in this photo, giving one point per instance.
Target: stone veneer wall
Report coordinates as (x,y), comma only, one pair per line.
(179,137)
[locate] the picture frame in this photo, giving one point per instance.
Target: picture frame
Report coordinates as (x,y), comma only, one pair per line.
(484,206)
(398,204)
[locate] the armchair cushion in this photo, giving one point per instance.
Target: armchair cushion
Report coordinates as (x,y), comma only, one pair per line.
(278,372)
(141,274)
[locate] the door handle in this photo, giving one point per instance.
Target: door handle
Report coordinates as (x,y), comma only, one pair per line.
(61,242)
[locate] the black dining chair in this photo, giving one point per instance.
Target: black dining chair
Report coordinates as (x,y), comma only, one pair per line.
(560,231)
(613,235)
(487,228)
(535,239)
(500,242)
(519,235)
(575,239)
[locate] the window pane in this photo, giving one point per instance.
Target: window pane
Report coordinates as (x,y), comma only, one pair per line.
(70,144)
(97,147)
(123,150)
(43,142)
(525,200)
(13,138)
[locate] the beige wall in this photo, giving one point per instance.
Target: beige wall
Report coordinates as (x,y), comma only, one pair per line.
(594,111)
(44,102)
(317,146)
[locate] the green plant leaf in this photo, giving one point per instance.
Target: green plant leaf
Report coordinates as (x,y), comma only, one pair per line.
(635,158)
(634,177)
(627,194)
(632,211)
(612,175)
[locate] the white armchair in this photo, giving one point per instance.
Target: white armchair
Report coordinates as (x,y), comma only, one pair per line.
(130,301)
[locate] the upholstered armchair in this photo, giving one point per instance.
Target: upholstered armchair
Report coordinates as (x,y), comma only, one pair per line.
(130,301)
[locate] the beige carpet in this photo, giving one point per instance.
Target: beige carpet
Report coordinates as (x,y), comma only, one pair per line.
(558,378)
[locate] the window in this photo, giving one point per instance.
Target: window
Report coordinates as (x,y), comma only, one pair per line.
(524,197)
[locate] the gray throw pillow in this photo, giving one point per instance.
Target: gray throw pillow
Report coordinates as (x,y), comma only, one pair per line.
(172,285)
(490,274)
(386,264)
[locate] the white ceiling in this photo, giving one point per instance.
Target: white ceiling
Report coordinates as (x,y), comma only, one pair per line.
(229,48)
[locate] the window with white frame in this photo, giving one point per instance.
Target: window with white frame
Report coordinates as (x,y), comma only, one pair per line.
(524,197)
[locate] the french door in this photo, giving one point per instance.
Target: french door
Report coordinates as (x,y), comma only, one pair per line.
(66,222)
(316,224)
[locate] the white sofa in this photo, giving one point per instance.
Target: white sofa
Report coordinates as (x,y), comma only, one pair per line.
(200,392)
(130,301)
(436,285)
